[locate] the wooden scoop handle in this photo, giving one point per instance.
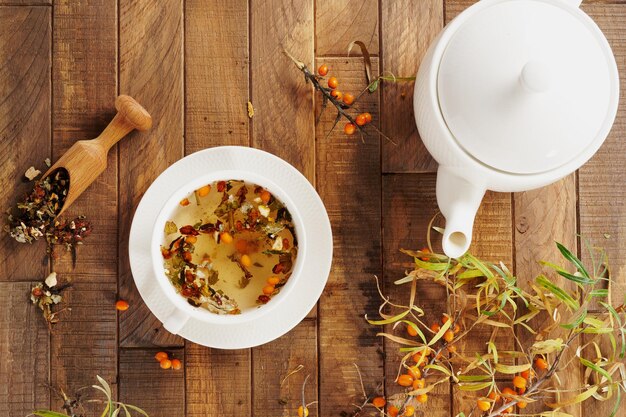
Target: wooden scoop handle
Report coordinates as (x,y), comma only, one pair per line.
(130,115)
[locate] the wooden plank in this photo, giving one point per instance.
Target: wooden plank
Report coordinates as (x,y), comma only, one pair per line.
(151,70)
(216,87)
(273,361)
(602,179)
(408,28)
(24,343)
(542,217)
(349,184)
(216,74)
(142,382)
(25,38)
(25,3)
(283,123)
(454,7)
(338,23)
(84,89)
(218,381)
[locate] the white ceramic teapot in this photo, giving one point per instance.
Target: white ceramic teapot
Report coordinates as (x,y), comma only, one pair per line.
(512,95)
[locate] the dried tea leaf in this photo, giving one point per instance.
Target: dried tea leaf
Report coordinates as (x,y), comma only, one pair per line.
(170,227)
(32,173)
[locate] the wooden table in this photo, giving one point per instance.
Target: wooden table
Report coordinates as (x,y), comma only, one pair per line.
(194,64)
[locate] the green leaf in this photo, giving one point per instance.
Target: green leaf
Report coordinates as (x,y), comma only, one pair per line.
(474,378)
(491,348)
(617,402)
(558,292)
(577,321)
(577,399)
(547,346)
(373,86)
(439,368)
(416,328)
(512,369)
(476,386)
(431,266)
(573,259)
(602,292)
(596,368)
(389,320)
(576,278)
(613,313)
(440,333)
(48,413)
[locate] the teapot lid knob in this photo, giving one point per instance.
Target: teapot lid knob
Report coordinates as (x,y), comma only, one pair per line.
(536,76)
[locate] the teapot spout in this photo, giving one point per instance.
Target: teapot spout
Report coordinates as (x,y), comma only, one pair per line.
(458,201)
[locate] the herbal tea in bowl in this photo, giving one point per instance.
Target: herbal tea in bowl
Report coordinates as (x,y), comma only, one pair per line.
(230,247)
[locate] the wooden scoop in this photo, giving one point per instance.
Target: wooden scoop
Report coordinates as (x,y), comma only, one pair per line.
(87,159)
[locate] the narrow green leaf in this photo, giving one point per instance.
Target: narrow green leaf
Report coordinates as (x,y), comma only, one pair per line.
(558,292)
(389,320)
(439,368)
(602,292)
(512,369)
(474,378)
(416,328)
(440,333)
(476,386)
(617,403)
(573,259)
(613,312)
(577,321)
(596,368)
(491,348)
(576,278)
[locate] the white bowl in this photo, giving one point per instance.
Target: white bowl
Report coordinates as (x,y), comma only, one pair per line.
(254,326)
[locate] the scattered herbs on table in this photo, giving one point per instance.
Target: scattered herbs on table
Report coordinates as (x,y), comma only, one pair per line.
(47,295)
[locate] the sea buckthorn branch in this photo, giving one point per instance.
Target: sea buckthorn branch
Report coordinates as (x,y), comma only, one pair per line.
(485,293)
(341,102)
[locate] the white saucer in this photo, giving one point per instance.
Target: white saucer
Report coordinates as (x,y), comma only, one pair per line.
(281,314)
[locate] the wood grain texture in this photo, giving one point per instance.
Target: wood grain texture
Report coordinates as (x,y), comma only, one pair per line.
(24,343)
(151,71)
(349,184)
(216,74)
(25,3)
(283,122)
(601,180)
(84,342)
(25,36)
(84,69)
(218,381)
(338,23)
(273,361)
(216,81)
(542,217)
(408,27)
(142,382)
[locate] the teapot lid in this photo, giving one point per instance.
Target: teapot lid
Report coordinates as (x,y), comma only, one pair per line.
(525,86)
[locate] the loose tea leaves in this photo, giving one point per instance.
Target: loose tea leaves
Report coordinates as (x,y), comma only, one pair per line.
(46,295)
(35,217)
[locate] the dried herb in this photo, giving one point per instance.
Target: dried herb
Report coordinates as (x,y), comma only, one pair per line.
(47,295)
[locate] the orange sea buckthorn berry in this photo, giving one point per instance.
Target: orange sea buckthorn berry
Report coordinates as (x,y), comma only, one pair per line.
(333,83)
(226,237)
(541,363)
(435,327)
(405,380)
(452,349)
(160,356)
(176,364)
(522,404)
(268,289)
(379,402)
(349,129)
(422,398)
(521,391)
(303,411)
(508,391)
(448,336)
(508,410)
(191,239)
(419,384)
(415,372)
(37,292)
(245,260)
(337,94)
(348,98)
(425,258)
(420,359)
(409,410)
(204,191)
(392,410)
(184,202)
(165,364)
(368,117)
(273,280)
(519,382)
(456,329)
(525,374)
(322,70)
(360,120)
(445,318)
(265,196)
(494,396)
(411,330)
(121,305)
(483,404)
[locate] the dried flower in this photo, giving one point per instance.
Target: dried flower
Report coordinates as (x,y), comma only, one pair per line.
(46,295)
